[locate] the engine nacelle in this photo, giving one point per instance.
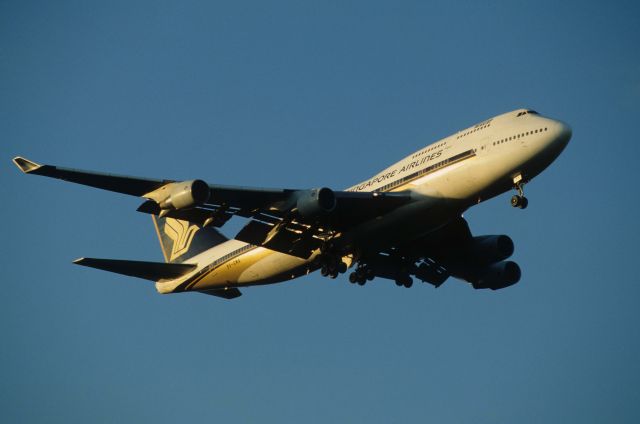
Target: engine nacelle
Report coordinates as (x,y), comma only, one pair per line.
(315,202)
(485,250)
(496,276)
(181,195)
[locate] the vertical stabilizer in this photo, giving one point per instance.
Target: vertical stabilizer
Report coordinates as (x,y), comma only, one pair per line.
(181,240)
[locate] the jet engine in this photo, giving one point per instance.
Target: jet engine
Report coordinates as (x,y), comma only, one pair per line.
(484,250)
(315,202)
(181,195)
(495,276)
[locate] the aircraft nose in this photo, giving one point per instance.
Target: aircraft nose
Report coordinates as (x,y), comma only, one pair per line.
(564,133)
(560,134)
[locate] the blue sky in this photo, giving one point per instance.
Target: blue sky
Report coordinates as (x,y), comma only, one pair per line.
(306,94)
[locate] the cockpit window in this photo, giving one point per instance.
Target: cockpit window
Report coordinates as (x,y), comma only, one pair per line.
(524,112)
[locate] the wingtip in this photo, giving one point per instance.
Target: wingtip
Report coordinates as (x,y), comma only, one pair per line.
(79,261)
(25,165)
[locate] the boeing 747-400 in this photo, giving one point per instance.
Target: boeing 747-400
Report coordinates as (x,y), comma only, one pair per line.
(403,223)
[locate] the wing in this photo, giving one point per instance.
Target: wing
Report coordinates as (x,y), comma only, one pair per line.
(427,258)
(451,251)
(293,221)
(119,183)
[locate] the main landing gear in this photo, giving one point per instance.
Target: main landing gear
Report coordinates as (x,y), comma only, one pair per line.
(364,273)
(332,266)
(361,275)
(518,200)
(404,280)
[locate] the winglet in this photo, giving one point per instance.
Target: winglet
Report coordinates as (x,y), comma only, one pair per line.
(25,165)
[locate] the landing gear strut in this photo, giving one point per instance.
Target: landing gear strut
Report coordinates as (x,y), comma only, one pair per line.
(518,200)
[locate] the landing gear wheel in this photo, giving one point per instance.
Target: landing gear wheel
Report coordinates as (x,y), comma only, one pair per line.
(404,281)
(358,276)
(518,201)
(369,275)
(342,267)
(515,200)
(324,270)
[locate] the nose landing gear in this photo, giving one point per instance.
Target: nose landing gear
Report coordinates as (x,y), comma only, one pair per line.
(518,200)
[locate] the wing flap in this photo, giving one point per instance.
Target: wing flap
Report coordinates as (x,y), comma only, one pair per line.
(284,240)
(154,271)
(200,216)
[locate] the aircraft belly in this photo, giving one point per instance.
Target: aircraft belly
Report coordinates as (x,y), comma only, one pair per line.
(262,266)
(273,268)
(228,273)
(476,177)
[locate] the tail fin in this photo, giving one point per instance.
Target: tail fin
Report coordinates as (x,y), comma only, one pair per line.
(181,240)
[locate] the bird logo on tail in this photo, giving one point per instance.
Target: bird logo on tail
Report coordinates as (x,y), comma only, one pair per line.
(181,233)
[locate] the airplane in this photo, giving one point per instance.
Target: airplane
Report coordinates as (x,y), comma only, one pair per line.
(404,222)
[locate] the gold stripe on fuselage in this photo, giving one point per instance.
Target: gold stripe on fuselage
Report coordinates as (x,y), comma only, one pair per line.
(228,273)
(225,271)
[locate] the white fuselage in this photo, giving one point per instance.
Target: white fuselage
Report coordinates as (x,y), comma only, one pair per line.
(448,177)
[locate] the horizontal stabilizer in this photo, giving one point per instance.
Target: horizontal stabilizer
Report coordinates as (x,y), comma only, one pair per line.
(154,271)
(228,293)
